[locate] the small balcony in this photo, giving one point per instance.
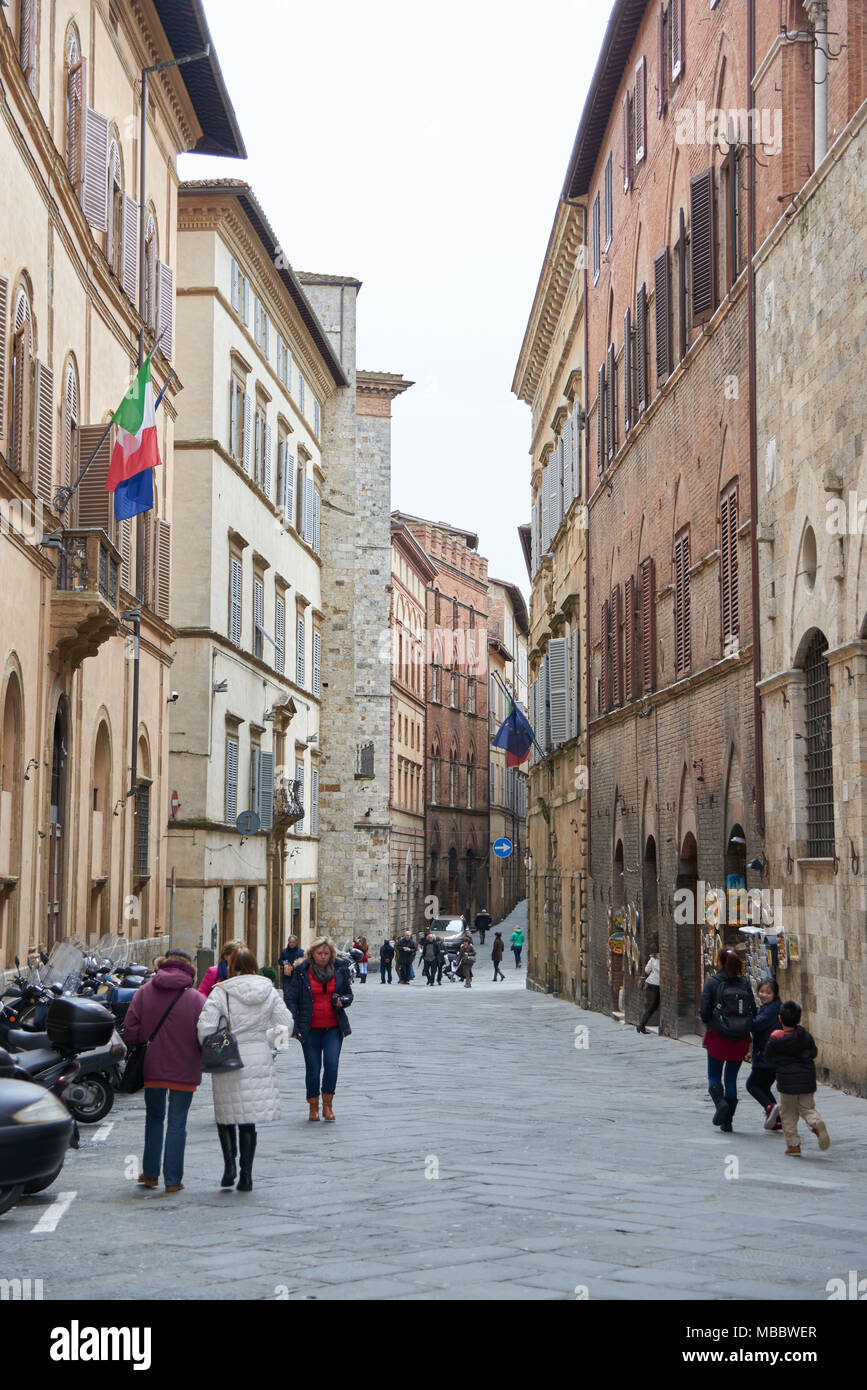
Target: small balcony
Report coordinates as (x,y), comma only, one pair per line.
(288,809)
(84,609)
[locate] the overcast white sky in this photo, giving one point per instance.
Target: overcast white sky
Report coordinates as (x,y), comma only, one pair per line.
(422,149)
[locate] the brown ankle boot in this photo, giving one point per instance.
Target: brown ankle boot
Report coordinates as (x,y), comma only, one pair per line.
(314,1108)
(327,1112)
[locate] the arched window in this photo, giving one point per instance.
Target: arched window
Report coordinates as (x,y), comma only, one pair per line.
(22,354)
(69,423)
(434,770)
(75,94)
(820,763)
(151,257)
(114,233)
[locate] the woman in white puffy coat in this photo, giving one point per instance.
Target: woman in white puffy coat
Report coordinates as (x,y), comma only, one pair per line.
(259,1020)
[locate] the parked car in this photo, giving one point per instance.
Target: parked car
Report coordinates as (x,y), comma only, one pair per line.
(447,928)
(35,1130)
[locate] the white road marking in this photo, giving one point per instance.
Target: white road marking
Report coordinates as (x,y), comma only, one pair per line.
(49,1219)
(103,1132)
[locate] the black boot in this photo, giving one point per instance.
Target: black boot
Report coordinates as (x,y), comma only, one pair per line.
(723,1110)
(726,1125)
(247,1145)
(229,1145)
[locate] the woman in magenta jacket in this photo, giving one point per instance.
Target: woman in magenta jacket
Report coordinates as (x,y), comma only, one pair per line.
(215,974)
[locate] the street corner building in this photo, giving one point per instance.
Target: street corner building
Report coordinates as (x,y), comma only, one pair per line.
(718,170)
(88,263)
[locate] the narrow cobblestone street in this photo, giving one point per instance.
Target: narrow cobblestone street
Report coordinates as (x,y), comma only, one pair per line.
(478,1153)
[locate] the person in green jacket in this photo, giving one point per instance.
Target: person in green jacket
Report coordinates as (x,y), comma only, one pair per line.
(516,941)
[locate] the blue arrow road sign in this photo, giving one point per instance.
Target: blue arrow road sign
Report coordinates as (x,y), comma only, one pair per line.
(503,848)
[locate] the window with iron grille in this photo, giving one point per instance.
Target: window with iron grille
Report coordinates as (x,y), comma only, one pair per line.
(142,827)
(820,764)
(364,760)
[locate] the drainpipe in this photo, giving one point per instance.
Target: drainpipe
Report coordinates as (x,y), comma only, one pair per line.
(817,11)
(754,481)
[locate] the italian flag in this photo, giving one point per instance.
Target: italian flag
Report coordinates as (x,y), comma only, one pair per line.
(136,447)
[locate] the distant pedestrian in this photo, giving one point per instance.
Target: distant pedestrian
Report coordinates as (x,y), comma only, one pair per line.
(516,941)
(651,984)
(466,960)
(405,956)
(164,1014)
(482,923)
(430,957)
(320,994)
(360,945)
(497,951)
(219,971)
(762,1075)
(727,1010)
(256,1016)
(465,920)
(386,956)
(792,1050)
(288,956)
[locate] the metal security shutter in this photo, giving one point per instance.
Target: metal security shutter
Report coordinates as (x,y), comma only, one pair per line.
(575,662)
(314,801)
(641,349)
(611,404)
(246,443)
(164,570)
(630,682)
(280,635)
(605,675)
(640,109)
(94,188)
(166,308)
(600,422)
(558,689)
(43,423)
(627,371)
(266,790)
(702,213)
(235,593)
(231,788)
(616,658)
(299,652)
(729,601)
(647,602)
(682,646)
(266,482)
(317,663)
(93,502)
(662,298)
(129,248)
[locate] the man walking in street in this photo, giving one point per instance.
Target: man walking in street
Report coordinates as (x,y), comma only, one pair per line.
(288,956)
(516,941)
(497,955)
(405,956)
(386,956)
(482,923)
(466,959)
(430,956)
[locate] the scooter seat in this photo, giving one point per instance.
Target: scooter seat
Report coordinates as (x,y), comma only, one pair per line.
(35,1062)
(21,1040)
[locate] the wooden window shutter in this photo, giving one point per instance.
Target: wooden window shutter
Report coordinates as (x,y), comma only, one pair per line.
(616,657)
(682,645)
(729,604)
(640,109)
(677,37)
(662,298)
(626,107)
(280,635)
(703,243)
(28,19)
(4,309)
(76,88)
(648,625)
(542,707)
(630,679)
(247,441)
(605,682)
(661,76)
(600,423)
(231,780)
(611,403)
(558,690)
(94,185)
(681,289)
(266,790)
(19,426)
(317,516)
(627,370)
(266,481)
(126,576)
(129,241)
(68,424)
(235,291)
(314,801)
(148,565)
(575,710)
(235,599)
(164,569)
(641,349)
(577,432)
(166,308)
(597,252)
(299,652)
(289,506)
(317,663)
(308,509)
(43,432)
(95,505)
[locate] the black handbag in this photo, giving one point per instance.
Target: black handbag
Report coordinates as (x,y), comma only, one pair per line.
(220,1049)
(133,1072)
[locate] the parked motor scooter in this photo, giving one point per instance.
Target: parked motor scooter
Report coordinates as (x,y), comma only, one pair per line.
(77,1056)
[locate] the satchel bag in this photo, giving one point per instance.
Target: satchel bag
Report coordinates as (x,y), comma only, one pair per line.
(220,1050)
(133,1073)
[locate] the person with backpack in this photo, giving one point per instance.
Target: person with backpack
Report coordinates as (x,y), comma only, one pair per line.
(792,1050)
(727,1010)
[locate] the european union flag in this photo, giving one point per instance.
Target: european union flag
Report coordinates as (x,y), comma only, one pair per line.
(515,734)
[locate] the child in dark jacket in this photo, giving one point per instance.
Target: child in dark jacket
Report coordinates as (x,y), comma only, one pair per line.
(792,1050)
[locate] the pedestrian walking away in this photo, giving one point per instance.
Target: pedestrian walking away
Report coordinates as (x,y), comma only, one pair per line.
(405,956)
(259,1021)
(762,1075)
(792,1050)
(516,941)
(497,950)
(651,984)
(386,956)
(365,957)
(482,923)
(727,1010)
(466,960)
(164,1014)
(286,962)
(220,970)
(320,994)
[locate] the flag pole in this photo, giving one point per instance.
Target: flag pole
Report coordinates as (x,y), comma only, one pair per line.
(545,756)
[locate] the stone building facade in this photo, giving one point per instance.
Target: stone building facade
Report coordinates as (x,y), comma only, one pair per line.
(247,601)
(81,850)
(550,378)
(508,633)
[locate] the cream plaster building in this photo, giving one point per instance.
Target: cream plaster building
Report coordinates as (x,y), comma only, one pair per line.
(81,851)
(247,582)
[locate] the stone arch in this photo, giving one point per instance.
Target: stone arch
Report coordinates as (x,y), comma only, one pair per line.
(686,817)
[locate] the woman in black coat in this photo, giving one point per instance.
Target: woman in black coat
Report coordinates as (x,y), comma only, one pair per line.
(763,1075)
(318,995)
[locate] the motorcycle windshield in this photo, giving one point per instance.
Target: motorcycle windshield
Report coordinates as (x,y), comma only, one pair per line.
(64,965)
(112,950)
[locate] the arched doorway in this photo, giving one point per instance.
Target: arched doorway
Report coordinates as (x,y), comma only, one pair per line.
(100,830)
(11,786)
(688,924)
(56,822)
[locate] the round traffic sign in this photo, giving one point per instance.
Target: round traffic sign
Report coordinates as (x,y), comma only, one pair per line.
(176,803)
(247,823)
(503,848)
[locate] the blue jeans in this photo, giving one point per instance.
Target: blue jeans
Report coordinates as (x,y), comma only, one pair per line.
(322,1047)
(176,1133)
(715,1077)
(385,968)
(517,952)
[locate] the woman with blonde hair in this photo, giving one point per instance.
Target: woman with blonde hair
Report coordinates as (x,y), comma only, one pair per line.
(318,994)
(256,1015)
